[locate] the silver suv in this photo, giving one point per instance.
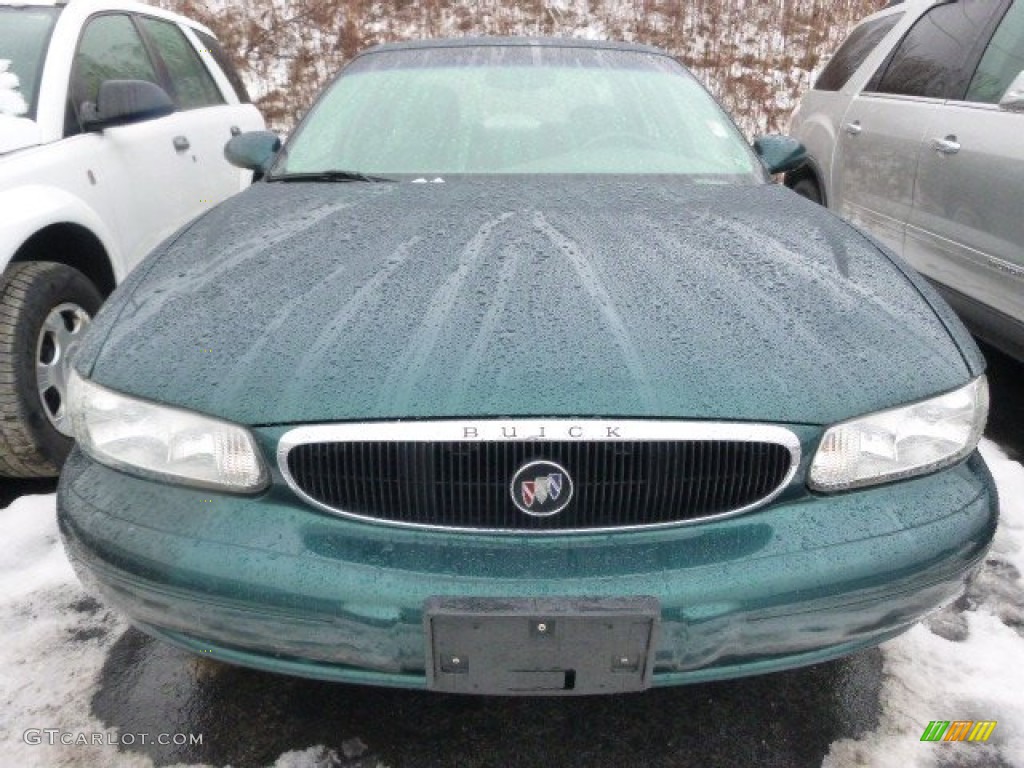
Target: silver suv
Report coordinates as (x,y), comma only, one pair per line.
(915,132)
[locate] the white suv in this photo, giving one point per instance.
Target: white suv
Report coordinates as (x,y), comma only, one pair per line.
(113,120)
(914,132)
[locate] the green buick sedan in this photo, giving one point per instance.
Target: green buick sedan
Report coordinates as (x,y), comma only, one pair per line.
(515,374)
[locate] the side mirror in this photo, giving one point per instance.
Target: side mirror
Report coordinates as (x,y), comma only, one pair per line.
(252,150)
(125,101)
(780,153)
(1013,99)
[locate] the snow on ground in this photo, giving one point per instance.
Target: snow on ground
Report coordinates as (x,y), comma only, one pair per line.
(960,665)
(44,683)
(964,664)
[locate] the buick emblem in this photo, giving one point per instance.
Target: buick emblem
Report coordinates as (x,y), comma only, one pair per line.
(541,488)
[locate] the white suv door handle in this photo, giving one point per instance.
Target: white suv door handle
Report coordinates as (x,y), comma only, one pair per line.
(181,143)
(853,128)
(946,146)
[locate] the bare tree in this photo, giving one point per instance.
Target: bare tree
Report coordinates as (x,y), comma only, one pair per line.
(757,57)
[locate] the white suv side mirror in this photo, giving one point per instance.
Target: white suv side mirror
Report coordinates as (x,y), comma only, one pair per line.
(1013,99)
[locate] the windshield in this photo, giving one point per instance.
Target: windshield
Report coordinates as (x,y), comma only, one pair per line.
(24,34)
(503,109)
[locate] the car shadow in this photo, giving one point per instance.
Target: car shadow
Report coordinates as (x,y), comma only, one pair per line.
(1006,391)
(11,488)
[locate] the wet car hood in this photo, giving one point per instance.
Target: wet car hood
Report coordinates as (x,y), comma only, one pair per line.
(305,302)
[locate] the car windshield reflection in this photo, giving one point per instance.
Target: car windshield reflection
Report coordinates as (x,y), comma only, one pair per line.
(515,110)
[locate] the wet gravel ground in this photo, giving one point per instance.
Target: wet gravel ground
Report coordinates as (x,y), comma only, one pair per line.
(250,718)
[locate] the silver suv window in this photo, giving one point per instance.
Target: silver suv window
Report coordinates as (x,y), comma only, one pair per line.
(851,54)
(1003,59)
(935,58)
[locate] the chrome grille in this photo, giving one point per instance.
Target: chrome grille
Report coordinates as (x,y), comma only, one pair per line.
(408,479)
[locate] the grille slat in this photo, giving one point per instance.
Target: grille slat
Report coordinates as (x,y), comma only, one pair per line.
(617,484)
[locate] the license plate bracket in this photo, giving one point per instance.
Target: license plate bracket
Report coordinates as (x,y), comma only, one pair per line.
(542,646)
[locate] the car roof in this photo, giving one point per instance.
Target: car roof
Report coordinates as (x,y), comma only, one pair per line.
(543,42)
(914,7)
(98,6)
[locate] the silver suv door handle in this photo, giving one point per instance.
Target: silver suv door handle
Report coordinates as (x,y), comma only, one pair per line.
(181,143)
(853,128)
(946,146)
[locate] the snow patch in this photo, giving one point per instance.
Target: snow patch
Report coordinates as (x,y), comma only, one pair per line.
(54,641)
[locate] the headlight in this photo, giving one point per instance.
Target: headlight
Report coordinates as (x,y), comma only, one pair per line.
(163,442)
(902,442)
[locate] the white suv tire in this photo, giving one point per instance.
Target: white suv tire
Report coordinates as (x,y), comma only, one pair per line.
(44,307)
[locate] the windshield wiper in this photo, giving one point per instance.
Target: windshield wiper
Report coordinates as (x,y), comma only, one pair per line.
(331,175)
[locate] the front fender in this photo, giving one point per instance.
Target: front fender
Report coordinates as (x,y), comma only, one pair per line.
(818,134)
(31,208)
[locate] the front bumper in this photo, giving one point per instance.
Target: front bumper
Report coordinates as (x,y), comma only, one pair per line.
(271,583)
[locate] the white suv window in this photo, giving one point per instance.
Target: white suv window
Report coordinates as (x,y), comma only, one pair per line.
(110,49)
(24,35)
(193,86)
(220,56)
(1003,59)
